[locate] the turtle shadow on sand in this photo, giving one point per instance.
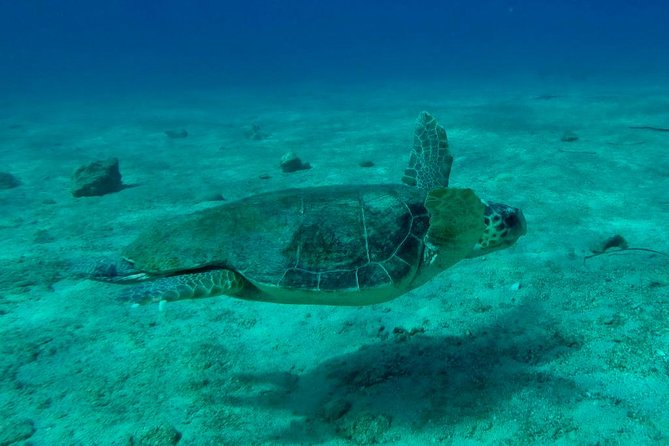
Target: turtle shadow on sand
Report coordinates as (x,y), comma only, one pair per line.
(419,382)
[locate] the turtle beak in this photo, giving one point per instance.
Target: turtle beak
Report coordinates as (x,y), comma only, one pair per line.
(524,223)
(516,222)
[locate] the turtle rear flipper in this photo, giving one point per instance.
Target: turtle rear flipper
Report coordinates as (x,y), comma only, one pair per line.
(107,269)
(186,286)
(456,223)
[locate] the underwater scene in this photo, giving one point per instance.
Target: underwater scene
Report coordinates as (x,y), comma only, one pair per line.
(259,222)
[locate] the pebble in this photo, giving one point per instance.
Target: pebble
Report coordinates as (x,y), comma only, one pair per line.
(8,181)
(290,162)
(569,137)
(176,134)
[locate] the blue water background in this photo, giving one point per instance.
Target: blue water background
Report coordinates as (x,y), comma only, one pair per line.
(71,47)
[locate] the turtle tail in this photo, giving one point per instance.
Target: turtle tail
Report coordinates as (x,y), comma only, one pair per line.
(186,286)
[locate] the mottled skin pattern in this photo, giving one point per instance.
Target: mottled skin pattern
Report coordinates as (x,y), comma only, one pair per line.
(336,245)
(186,286)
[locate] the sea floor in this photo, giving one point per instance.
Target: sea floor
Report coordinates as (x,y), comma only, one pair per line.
(531,345)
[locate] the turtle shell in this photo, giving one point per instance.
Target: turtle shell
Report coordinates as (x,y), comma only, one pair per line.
(331,238)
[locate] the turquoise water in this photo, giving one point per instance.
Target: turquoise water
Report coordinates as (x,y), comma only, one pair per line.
(560,110)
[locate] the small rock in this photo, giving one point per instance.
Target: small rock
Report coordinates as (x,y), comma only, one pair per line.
(15,431)
(290,162)
(366,163)
(214,196)
(255,132)
(97,178)
(43,236)
(335,409)
(516,286)
(162,435)
(176,134)
(569,137)
(8,181)
(615,241)
(365,428)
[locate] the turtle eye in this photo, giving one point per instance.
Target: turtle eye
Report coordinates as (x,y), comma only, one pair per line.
(511,221)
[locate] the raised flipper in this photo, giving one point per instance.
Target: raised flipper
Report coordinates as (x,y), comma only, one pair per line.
(430,161)
(186,286)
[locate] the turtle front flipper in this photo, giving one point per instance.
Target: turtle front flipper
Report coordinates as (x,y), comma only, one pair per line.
(186,286)
(456,223)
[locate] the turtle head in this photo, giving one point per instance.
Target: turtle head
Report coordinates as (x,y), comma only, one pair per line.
(462,225)
(503,226)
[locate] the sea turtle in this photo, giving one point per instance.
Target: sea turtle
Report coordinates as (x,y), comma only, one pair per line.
(332,245)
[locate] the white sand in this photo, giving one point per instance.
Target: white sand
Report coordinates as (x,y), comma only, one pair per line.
(578,355)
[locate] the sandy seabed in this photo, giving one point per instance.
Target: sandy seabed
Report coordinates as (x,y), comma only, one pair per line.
(531,345)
